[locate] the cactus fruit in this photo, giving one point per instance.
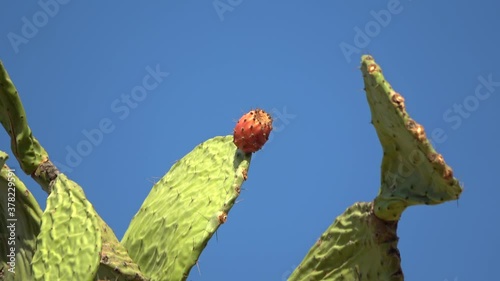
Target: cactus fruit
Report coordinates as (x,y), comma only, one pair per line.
(252,130)
(357,246)
(20,217)
(185,208)
(412,171)
(69,243)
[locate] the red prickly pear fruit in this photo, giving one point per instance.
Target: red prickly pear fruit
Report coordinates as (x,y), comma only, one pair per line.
(252,130)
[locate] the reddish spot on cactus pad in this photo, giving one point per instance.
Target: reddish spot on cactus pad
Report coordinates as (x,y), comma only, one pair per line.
(398,100)
(222,217)
(448,173)
(252,130)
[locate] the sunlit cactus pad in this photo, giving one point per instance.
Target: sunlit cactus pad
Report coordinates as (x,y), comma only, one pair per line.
(25,147)
(185,208)
(412,171)
(116,265)
(69,243)
(357,246)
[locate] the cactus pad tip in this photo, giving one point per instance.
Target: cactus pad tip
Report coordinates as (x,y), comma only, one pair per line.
(413,172)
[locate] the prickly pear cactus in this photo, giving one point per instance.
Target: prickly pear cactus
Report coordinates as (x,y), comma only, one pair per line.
(412,171)
(362,244)
(20,217)
(69,242)
(185,208)
(357,246)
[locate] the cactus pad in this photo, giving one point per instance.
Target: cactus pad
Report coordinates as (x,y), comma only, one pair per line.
(20,217)
(116,265)
(69,243)
(25,147)
(357,246)
(412,171)
(185,208)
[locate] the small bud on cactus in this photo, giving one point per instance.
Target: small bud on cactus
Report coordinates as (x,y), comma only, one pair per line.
(252,130)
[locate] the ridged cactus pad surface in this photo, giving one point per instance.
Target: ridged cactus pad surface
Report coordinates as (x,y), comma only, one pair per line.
(20,217)
(116,264)
(412,171)
(357,246)
(185,208)
(69,243)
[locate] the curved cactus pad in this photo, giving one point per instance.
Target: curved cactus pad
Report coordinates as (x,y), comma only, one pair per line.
(20,217)
(357,246)
(412,171)
(25,147)
(185,208)
(69,242)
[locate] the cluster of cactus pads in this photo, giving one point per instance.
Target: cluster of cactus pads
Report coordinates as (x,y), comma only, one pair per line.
(70,241)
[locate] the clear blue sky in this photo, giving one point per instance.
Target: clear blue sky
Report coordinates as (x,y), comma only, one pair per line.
(75,62)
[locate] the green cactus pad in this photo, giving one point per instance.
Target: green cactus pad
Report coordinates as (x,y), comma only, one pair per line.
(185,208)
(69,243)
(357,246)
(116,265)
(20,211)
(25,147)
(412,171)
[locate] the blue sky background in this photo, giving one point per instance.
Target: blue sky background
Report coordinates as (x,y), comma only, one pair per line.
(285,57)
